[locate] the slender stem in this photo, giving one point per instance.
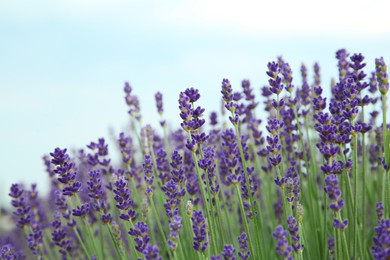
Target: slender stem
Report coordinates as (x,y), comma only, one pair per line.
(345,244)
(114,241)
(324,227)
(81,241)
(128,225)
(204,198)
(165,241)
(247,182)
(355,190)
(338,243)
(244,220)
(386,196)
(88,228)
(364,192)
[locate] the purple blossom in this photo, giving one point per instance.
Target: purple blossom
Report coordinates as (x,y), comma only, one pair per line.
(148,171)
(282,246)
(81,211)
(381,248)
(20,203)
(132,102)
(227,91)
(140,234)
(65,169)
(331,245)
(174,227)
(159,102)
(380,211)
(293,229)
(228,252)
(244,252)
(199,228)
(151,252)
(192,118)
(381,75)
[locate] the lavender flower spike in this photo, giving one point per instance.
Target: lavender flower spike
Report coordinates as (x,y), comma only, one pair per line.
(244,250)
(381,75)
(199,229)
(282,246)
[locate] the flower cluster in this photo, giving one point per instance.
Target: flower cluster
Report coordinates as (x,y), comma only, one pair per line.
(208,191)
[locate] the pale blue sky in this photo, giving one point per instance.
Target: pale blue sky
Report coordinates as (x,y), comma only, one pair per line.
(63,63)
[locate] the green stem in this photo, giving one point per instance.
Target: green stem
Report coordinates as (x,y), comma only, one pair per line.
(204,198)
(247,182)
(160,228)
(244,220)
(364,192)
(324,239)
(114,241)
(345,244)
(88,228)
(81,242)
(355,190)
(128,225)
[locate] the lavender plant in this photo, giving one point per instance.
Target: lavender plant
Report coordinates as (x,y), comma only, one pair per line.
(317,182)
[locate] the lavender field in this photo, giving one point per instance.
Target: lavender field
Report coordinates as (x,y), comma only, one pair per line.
(292,170)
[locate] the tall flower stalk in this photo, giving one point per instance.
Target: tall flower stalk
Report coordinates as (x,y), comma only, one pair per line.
(219,189)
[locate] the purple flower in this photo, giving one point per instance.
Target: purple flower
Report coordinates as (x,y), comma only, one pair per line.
(199,229)
(380,250)
(228,252)
(332,187)
(193,94)
(148,171)
(151,252)
(213,119)
(192,118)
(159,102)
(373,85)
(381,75)
(287,77)
(81,211)
(340,224)
(132,102)
(162,165)
(274,126)
(126,148)
(293,229)
(8,252)
(231,155)
(207,163)
(174,228)
(247,90)
(275,81)
(380,211)
(331,245)
(174,194)
(227,91)
(282,246)
(244,252)
(140,234)
(20,203)
(65,169)
(343,64)
(123,199)
(61,237)
(177,171)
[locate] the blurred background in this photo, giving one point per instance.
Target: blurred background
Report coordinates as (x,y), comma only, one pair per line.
(63,63)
